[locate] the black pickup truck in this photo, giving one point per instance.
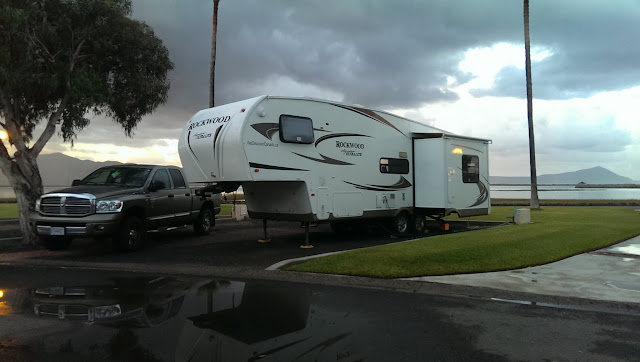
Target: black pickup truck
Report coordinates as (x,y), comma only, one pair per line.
(123,202)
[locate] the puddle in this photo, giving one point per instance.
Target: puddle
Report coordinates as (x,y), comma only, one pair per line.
(625,285)
(633,249)
(566,306)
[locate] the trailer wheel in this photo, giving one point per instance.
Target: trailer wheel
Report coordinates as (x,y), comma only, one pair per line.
(132,234)
(418,223)
(55,242)
(204,222)
(400,224)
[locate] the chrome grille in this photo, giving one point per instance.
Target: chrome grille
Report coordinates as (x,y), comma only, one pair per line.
(63,204)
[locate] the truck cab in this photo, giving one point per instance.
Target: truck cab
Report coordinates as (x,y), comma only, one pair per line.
(123,202)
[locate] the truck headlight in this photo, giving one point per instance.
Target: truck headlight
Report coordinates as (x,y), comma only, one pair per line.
(38,204)
(107,311)
(107,206)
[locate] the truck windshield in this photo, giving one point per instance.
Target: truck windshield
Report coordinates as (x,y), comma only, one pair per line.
(118,176)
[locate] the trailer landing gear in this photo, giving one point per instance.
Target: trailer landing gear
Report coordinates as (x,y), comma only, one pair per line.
(306,237)
(264,227)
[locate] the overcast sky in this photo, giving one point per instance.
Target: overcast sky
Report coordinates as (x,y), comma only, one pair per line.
(457,65)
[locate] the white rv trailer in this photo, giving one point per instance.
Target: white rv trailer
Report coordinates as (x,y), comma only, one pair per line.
(310,160)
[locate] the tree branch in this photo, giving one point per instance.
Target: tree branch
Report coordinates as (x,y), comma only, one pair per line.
(11,125)
(6,104)
(55,117)
(50,129)
(5,159)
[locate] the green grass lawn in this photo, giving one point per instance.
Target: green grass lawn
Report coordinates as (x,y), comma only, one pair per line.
(8,210)
(225,210)
(556,233)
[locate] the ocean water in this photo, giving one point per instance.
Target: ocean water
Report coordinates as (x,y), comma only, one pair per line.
(505,192)
(564,193)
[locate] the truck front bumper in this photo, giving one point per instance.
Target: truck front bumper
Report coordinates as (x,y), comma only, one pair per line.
(92,225)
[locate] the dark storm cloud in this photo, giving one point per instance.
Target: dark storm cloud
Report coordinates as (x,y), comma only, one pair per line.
(378,53)
(386,54)
(595,49)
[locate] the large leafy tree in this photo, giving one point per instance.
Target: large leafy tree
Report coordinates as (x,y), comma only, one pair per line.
(535,202)
(62,61)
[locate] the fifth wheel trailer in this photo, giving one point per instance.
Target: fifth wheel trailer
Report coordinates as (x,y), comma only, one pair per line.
(310,160)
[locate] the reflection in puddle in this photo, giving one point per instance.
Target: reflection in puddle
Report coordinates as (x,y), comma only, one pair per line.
(201,319)
(633,249)
(178,319)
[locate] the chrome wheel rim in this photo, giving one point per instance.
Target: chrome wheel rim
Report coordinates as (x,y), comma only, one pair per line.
(206,222)
(133,235)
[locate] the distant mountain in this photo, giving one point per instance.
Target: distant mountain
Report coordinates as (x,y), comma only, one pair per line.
(58,169)
(595,175)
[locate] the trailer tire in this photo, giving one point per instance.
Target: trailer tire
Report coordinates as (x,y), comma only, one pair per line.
(55,242)
(204,222)
(132,234)
(418,223)
(400,224)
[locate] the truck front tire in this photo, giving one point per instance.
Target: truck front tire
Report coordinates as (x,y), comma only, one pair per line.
(205,221)
(132,234)
(55,242)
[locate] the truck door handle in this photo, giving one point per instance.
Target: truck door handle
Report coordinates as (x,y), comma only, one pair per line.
(187,194)
(170,195)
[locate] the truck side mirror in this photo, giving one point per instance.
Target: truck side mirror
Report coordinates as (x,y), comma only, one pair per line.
(75,183)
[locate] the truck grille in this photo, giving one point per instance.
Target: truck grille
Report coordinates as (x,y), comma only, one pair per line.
(66,205)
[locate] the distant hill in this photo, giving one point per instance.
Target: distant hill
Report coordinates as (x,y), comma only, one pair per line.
(595,175)
(58,169)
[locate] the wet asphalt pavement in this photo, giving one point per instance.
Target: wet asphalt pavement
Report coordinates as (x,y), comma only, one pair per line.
(75,314)
(232,244)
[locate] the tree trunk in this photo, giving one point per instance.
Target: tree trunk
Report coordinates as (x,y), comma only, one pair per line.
(535,202)
(24,177)
(212,70)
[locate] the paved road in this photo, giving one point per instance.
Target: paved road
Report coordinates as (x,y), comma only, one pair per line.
(202,318)
(232,244)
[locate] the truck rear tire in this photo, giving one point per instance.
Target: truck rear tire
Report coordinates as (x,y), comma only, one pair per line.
(132,234)
(205,221)
(55,242)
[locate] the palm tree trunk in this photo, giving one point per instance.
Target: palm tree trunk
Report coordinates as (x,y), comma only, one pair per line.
(212,70)
(535,202)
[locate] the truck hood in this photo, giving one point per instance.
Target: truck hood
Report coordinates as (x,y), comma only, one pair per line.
(100,192)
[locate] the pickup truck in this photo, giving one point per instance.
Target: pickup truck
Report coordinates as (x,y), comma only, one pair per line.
(123,202)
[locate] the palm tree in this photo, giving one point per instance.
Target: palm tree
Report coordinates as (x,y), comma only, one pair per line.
(214,35)
(535,203)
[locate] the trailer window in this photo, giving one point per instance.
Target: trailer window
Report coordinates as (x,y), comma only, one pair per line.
(296,129)
(394,165)
(470,169)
